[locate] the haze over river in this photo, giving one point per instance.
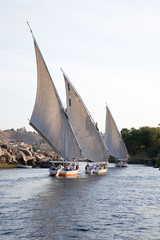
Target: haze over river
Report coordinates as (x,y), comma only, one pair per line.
(123,204)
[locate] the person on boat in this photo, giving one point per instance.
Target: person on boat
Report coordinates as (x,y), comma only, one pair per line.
(65,167)
(103,166)
(98,166)
(92,167)
(72,167)
(77,167)
(75,164)
(68,166)
(59,166)
(87,167)
(52,167)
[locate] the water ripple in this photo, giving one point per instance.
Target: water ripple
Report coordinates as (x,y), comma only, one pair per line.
(124,204)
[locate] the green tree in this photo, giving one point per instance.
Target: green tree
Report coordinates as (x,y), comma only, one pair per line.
(145,138)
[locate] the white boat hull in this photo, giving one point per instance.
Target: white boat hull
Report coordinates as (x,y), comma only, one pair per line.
(121,164)
(88,171)
(95,170)
(100,171)
(63,173)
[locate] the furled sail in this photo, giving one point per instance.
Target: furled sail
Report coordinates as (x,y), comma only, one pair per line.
(85,129)
(49,118)
(113,138)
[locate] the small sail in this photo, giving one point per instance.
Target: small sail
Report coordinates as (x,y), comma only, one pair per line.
(49,118)
(84,127)
(113,138)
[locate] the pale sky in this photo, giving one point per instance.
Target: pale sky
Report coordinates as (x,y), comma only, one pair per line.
(110,50)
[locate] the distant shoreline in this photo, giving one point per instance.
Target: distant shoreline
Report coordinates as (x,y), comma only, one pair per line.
(28,148)
(7,166)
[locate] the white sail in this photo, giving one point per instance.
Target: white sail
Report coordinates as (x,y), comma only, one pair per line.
(88,136)
(113,138)
(49,118)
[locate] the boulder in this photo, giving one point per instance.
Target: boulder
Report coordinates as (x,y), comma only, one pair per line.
(14,154)
(44,162)
(8,158)
(21,158)
(26,152)
(32,162)
(2,159)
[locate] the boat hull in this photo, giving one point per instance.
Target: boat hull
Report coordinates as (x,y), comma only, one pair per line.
(96,171)
(88,171)
(100,171)
(63,173)
(121,164)
(52,172)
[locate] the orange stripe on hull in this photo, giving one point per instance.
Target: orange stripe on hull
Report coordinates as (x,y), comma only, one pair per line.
(67,174)
(100,172)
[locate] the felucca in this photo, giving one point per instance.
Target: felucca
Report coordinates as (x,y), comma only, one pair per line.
(50,120)
(86,131)
(114,141)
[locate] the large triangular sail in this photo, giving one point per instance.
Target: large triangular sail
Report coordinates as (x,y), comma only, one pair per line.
(49,118)
(83,125)
(113,138)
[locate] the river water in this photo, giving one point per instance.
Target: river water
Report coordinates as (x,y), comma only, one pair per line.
(123,204)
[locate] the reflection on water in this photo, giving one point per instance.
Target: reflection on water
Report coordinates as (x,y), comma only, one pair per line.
(123,204)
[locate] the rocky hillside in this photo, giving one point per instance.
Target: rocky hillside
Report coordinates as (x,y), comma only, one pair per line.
(20,136)
(25,148)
